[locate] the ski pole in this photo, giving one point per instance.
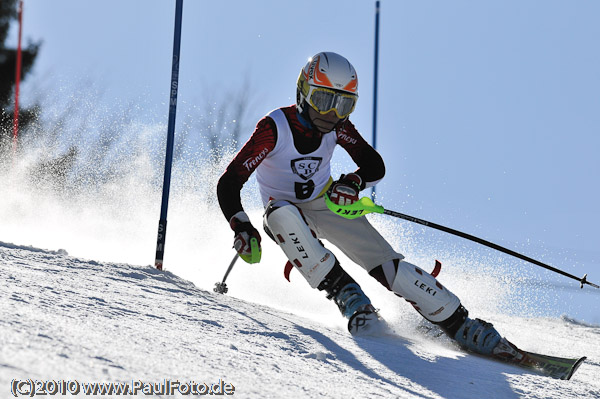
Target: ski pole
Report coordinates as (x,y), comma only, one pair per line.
(221,287)
(365,206)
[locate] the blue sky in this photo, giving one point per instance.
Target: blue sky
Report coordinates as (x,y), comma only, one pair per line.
(488,111)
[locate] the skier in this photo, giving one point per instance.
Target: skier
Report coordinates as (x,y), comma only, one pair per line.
(290,150)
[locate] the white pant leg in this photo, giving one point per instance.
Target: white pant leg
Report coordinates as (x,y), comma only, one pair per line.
(356,238)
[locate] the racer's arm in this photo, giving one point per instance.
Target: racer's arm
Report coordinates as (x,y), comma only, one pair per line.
(261,142)
(371,168)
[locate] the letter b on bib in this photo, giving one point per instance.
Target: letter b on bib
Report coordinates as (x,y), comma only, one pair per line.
(304,190)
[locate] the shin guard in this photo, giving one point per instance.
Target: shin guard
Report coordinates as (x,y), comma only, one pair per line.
(424,292)
(287,227)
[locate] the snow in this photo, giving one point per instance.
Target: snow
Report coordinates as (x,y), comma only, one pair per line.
(80,301)
(68,318)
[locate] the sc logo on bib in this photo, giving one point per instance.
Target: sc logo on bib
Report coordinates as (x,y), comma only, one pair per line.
(305,168)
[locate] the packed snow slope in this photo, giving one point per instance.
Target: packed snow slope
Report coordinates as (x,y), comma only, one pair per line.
(68,318)
(80,301)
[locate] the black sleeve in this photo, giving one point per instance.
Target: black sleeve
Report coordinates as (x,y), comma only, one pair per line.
(371,167)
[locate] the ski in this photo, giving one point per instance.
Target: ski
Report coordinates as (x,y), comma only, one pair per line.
(551,366)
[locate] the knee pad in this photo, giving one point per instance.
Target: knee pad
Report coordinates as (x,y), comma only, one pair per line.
(424,292)
(289,230)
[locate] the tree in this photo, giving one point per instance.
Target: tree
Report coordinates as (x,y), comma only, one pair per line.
(220,121)
(8,58)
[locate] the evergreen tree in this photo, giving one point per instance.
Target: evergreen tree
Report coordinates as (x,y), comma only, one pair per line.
(8,64)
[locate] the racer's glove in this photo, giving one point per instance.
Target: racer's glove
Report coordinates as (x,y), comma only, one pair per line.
(247,239)
(344,191)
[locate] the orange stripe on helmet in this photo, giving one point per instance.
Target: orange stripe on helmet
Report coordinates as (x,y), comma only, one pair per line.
(351,86)
(319,78)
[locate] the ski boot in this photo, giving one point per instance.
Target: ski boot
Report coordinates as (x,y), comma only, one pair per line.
(352,302)
(363,318)
(479,336)
(366,321)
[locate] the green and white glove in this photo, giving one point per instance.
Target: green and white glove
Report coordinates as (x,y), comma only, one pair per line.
(247,239)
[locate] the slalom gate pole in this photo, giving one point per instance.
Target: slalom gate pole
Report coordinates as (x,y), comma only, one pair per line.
(375,70)
(162,224)
(365,206)
(221,287)
(17,82)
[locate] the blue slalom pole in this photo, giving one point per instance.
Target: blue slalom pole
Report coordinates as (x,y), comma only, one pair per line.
(162,224)
(376,67)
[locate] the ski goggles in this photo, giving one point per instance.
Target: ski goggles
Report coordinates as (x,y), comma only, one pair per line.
(325,100)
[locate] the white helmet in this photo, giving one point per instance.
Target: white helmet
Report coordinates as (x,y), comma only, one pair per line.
(327,82)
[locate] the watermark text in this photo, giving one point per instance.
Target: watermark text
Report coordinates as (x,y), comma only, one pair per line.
(31,388)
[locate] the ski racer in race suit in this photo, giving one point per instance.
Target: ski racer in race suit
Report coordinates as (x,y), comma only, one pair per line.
(290,151)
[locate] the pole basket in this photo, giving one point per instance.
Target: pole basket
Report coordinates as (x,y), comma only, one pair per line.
(220,288)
